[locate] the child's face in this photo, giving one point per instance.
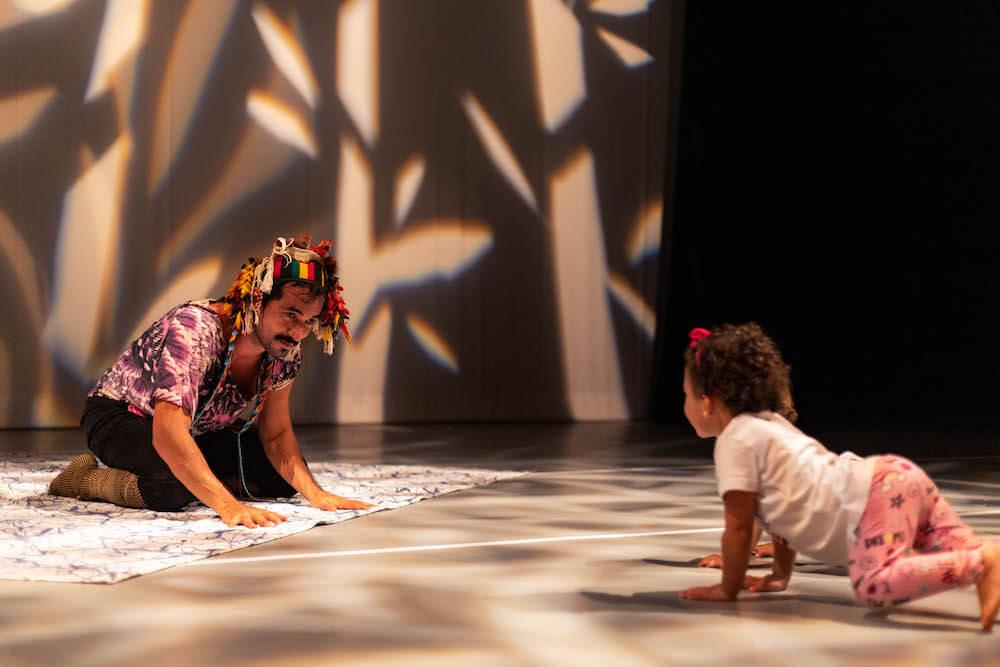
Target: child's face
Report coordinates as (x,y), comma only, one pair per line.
(696,409)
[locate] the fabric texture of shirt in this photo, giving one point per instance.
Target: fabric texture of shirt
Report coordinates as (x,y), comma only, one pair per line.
(806,494)
(180,359)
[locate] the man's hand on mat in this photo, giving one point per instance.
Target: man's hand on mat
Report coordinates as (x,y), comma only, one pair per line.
(329,502)
(705,593)
(236,514)
(769,584)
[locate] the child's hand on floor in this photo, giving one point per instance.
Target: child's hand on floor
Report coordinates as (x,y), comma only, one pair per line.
(765,550)
(711,560)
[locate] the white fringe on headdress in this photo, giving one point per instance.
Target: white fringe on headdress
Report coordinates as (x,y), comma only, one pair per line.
(265,272)
(263,280)
(252,318)
(327,342)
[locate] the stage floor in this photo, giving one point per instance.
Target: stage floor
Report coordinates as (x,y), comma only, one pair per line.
(577,564)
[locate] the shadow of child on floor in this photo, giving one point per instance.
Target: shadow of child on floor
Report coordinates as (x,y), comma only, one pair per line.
(797,605)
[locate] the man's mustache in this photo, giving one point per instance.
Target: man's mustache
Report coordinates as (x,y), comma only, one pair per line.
(285,339)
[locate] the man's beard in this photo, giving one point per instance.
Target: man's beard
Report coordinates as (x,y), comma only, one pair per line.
(278,349)
(275,348)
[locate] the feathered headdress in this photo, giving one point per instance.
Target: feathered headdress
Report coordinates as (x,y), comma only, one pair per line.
(290,261)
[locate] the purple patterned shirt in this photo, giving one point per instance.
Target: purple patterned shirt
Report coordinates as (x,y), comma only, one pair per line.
(179,359)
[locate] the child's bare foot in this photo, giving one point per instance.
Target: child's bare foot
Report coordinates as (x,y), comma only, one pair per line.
(989,585)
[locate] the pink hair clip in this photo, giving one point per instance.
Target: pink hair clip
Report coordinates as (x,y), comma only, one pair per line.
(697,335)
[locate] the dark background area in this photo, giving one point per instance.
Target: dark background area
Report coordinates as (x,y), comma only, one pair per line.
(827,171)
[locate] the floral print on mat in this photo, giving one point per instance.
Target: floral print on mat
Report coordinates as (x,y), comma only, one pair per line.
(46,538)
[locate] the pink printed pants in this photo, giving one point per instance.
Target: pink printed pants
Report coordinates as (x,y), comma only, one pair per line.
(909,541)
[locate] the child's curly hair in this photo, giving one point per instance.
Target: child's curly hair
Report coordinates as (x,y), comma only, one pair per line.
(741,365)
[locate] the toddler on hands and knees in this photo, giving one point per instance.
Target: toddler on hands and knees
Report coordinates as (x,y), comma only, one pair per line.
(882,516)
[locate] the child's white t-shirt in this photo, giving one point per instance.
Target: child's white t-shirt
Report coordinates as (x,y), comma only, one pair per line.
(806,494)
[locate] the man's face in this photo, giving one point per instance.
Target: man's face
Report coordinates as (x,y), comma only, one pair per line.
(286,321)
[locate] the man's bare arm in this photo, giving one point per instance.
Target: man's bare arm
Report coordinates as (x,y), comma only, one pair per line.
(173,442)
(282,450)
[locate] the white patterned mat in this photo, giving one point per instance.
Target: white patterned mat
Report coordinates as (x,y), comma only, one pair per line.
(46,538)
